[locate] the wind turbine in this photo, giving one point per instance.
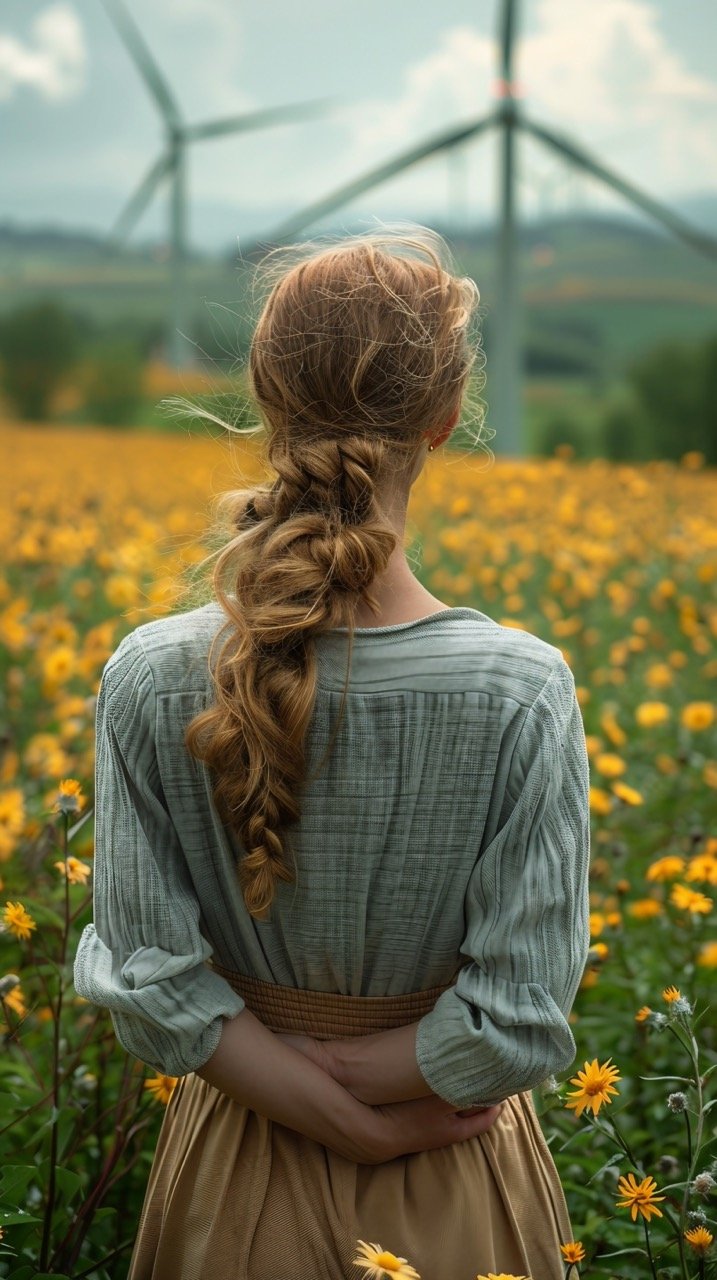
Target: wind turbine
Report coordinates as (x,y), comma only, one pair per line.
(509,119)
(172,164)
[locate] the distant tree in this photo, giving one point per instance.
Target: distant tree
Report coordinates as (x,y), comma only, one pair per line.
(624,431)
(676,389)
(38,346)
(559,429)
(113,383)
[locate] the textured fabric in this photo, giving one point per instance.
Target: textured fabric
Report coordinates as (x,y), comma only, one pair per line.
(234,1194)
(331,1015)
(450,822)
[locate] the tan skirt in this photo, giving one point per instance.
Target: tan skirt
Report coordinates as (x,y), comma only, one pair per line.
(233,1195)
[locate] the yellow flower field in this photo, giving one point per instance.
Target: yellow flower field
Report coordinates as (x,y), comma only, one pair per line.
(616,565)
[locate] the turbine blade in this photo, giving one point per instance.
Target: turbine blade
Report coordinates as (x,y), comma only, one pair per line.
(256,119)
(433,146)
(697,239)
(507,29)
(138,202)
(143,59)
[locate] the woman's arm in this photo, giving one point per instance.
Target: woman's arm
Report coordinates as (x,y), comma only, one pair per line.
(252,1067)
(377,1069)
(380,1068)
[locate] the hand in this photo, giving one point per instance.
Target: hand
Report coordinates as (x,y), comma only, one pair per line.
(423,1124)
(399,1128)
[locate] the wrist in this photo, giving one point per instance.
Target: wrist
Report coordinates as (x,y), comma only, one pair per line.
(337,1061)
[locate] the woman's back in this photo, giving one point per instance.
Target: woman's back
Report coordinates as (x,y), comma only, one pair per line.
(423,842)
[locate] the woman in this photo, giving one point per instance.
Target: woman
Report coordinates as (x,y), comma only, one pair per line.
(343,836)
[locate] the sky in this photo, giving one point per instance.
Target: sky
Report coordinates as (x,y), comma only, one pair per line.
(633,81)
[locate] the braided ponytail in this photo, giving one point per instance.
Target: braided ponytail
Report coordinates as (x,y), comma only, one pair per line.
(358,349)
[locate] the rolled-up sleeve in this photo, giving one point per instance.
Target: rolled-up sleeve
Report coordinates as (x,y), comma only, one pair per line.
(144,957)
(502,1028)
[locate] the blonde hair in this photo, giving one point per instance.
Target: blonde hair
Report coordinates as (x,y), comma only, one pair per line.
(362,345)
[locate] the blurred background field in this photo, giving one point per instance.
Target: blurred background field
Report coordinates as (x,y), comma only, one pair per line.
(620,351)
(616,564)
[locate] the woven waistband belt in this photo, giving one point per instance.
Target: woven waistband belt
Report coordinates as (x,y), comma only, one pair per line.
(328,1015)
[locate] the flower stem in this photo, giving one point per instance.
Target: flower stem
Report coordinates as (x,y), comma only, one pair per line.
(649,1250)
(50,1203)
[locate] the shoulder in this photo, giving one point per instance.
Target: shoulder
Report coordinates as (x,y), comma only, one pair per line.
(167,654)
(524,663)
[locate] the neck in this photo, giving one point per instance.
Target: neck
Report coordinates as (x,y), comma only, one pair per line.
(398,593)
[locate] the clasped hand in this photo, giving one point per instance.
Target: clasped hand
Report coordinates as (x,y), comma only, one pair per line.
(420,1124)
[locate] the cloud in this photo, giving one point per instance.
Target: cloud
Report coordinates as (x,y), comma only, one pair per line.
(205,69)
(52,62)
(601,72)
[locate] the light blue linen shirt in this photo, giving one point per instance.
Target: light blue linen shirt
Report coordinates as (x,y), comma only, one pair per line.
(450,824)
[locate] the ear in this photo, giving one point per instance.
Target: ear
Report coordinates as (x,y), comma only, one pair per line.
(448,427)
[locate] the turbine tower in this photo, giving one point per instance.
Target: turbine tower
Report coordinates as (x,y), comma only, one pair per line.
(172,164)
(509,119)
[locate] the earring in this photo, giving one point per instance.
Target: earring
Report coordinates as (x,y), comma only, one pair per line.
(431,447)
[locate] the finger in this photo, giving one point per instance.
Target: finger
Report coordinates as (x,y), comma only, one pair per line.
(484,1117)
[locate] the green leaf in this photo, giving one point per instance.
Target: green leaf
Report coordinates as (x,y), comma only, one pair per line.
(68,1182)
(682,1079)
(72,831)
(14,1181)
(620,1253)
(615,1158)
(11,1217)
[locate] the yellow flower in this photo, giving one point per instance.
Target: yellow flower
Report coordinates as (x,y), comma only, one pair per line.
(610,764)
(689,900)
(600,801)
(628,794)
(702,867)
(709,773)
(665,868)
(643,1014)
(697,716)
(639,1197)
(162,1087)
(503,1276)
(59,665)
(659,675)
(69,796)
(595,1084)
(708,955)
(645,909)
(378,1262)
(597,924)
(77,872)
(589,979)
(670,994)
(573,1252)
(649,714)
(17,921)
(15,1001)
(12,811)
(700,1239)
(612,729)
